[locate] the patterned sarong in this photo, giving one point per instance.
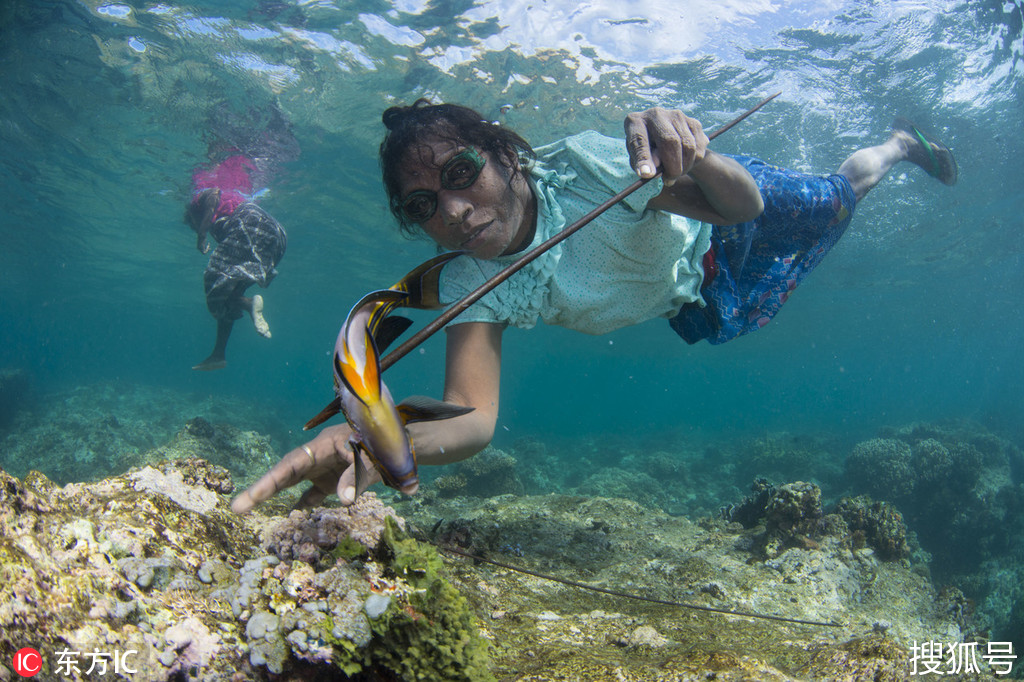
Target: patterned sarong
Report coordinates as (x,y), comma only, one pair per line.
(250,245)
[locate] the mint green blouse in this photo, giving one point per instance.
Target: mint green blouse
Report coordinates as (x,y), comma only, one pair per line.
(627,266)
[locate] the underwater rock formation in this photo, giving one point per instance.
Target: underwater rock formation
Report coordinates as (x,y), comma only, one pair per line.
(154,563)
(543,630)
(961,489)
(489,473)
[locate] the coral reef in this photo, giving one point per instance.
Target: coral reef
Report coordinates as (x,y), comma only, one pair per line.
(795,508)
(961,489)
(312,536)
(882,467)
(947,498)
(99,430)
(749,512)
(153,562)
(791,515)
(492,472)
(877,524)
(542,630)
(146,558)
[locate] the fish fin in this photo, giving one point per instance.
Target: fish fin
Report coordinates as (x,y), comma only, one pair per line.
(381,296)
(332,409)
(360,471)
(350,379)
(358,467)
(389,329)
(420,408)
(423,282)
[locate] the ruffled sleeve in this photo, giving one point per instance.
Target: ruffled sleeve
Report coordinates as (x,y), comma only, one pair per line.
(522,298)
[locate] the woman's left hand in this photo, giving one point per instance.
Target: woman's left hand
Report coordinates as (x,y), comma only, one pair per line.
(326,461)
(667,138)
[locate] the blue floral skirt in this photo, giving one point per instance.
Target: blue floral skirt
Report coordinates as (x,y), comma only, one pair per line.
(760,262)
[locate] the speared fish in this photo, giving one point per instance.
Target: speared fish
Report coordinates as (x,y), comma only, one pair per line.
(378,424)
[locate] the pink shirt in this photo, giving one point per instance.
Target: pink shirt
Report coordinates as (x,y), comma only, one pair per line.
(231,177)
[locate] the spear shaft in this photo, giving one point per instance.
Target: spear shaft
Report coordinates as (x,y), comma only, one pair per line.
(472,297)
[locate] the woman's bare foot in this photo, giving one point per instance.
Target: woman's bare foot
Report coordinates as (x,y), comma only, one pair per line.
(211,363)
(258,321)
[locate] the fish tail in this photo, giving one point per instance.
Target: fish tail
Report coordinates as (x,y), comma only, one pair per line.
(422,284)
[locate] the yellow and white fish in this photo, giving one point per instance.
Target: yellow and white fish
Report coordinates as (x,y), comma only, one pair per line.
(378,424)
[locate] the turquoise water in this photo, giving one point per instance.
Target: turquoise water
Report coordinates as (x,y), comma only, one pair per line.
(914,316)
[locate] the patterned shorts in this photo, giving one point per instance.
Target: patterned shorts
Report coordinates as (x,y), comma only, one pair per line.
(760,262)
(250,245)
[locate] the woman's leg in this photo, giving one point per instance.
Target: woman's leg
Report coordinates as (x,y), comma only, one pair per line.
(217,359)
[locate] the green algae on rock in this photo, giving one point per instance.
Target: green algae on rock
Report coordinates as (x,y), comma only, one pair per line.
(434,636)
(153,561)
(541,630)
(150,563)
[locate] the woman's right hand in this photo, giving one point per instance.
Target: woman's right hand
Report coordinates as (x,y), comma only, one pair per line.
(200,213)
(665,139)
(326,461)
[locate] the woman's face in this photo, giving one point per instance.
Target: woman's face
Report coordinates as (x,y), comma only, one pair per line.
(489,218)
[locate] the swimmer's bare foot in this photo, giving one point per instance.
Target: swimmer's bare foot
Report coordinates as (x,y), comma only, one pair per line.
(931,155)
(211,363)
(262,328)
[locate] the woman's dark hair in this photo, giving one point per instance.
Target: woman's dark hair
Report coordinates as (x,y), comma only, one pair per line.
(422,121)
